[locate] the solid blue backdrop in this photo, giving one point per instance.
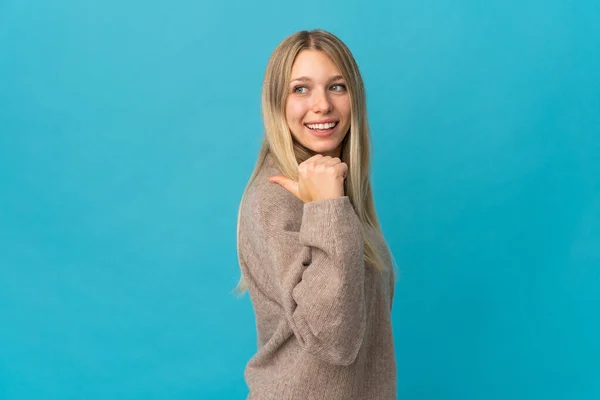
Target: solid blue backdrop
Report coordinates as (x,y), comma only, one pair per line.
(129,129)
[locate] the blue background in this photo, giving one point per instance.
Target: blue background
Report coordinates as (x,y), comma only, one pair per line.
(128,131)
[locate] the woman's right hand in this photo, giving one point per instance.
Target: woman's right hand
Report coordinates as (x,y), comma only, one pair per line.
(319,178)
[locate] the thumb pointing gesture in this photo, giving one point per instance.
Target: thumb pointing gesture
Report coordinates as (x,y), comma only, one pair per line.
(319,178)
(288,184)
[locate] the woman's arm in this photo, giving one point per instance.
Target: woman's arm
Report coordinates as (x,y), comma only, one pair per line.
(318,271)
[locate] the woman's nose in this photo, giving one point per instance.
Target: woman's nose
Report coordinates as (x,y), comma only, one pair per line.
(321,102)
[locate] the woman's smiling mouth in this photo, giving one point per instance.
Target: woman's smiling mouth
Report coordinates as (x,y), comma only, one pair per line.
(322,129)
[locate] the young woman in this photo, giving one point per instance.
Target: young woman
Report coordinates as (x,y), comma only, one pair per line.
(310,247)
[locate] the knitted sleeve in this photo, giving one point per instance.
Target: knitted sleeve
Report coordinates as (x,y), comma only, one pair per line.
(318,272)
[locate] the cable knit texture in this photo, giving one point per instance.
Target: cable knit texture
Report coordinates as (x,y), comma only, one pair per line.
(322,315)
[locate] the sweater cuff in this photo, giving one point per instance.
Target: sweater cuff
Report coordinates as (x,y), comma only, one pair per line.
(323,220)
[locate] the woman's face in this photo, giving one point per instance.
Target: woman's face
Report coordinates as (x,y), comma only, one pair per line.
(318,94)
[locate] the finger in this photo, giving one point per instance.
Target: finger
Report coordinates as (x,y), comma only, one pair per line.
(316,159)
(286,183)
(343,168)
(330,162)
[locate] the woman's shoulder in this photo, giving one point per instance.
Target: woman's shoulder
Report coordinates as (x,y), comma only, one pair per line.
(270,199)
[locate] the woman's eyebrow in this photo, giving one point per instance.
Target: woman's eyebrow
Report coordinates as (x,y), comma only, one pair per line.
(307,79)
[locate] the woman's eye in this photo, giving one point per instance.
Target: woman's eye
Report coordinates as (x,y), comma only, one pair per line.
(299,87)
(337,88)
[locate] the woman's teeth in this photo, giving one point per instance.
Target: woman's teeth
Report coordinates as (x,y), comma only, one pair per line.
(322,126)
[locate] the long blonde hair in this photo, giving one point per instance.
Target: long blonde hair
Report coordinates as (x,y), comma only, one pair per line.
(288,153)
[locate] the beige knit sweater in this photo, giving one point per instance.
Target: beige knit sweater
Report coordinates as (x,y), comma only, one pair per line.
(322,316)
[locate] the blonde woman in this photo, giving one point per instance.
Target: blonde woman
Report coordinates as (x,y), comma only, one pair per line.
(311,251)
